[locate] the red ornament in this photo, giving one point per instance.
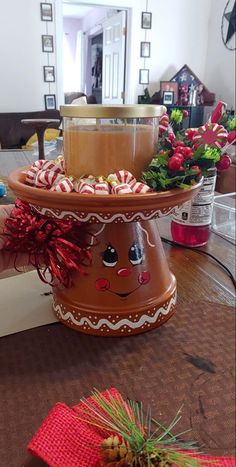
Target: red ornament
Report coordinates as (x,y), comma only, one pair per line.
(210,134)
(174,163)
(55,247)
(185,113)
(224,162)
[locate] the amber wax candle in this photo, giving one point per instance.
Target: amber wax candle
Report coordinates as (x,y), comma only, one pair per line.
(98,140)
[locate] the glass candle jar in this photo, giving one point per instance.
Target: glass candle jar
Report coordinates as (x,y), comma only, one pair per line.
(98,140)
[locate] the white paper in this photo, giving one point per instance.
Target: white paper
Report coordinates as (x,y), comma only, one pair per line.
(23,303)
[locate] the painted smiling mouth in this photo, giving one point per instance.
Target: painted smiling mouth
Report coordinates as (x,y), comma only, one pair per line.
(124,295)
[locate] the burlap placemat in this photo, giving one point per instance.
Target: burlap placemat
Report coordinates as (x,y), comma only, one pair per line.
(189,361)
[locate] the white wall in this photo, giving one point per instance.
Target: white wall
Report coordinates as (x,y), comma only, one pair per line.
(22,87)
(179,35)
(220,65)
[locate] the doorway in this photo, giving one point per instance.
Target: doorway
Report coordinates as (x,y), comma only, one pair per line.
(94,52)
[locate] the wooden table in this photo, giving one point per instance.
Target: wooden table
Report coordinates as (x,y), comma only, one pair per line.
(189,360)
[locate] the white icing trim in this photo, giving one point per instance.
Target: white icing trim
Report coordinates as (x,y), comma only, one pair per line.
(115,326)
(146,232)
(62,214)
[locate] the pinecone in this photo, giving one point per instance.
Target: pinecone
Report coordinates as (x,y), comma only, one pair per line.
(116,452)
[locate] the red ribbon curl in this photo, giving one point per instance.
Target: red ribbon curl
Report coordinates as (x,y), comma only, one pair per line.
(56,248)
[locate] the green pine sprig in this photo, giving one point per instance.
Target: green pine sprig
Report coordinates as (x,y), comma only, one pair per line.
(146,436)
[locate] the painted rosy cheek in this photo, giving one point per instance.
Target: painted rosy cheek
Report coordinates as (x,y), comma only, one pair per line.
(102,285)
(144,277)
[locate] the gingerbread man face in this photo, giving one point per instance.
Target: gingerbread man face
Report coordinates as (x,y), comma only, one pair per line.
(123,267)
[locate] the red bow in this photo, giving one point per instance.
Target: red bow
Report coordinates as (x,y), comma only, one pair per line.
(54,246)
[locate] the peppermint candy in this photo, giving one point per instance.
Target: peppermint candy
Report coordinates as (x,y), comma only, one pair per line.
(139,187)
(47,178)
(210,134)
(101,188)
(64,185)
(31,175)
(38,164)
(84,188)
(121,189)
(163,123)
(123,176)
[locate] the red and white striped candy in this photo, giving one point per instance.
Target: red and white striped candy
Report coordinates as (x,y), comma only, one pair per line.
(139,187)
(163,123)
(101,188)
(31,175)
(60,165)
(64,185)
(210,134)
(124,176)
(122,189)
(86,189)
(82,187)
(39,164)
(49,165)
(47,178)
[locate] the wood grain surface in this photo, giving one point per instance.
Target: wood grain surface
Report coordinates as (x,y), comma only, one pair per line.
(166,367)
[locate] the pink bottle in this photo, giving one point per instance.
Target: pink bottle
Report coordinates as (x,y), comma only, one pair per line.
(191,223)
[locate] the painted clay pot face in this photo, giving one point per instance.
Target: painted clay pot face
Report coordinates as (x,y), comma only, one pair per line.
(128,273)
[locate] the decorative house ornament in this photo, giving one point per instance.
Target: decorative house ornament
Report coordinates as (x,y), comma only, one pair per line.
(228,25)
(187,79)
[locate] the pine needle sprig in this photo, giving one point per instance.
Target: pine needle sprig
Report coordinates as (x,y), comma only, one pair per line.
(145,435)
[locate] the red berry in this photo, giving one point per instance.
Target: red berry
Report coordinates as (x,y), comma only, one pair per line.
(179,155)
(178,143)
(185,113)
(171,137)
(187,152)
(232,137)
(196,167)
(179,149)
(224,162)
(174,163)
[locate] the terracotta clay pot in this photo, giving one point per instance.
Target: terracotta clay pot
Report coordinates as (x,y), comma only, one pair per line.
(129,288)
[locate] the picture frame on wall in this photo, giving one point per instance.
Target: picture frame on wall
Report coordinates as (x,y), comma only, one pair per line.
(49,74)
(146,20)
(47,43)
(46,11)
(170,86)
(168,97)
(50,101)
(144,76)
(145,49)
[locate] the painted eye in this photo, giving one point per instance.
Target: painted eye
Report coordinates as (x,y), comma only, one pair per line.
(110,257)
(135,254)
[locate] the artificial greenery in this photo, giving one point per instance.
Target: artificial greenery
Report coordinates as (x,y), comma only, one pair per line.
(149,441)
